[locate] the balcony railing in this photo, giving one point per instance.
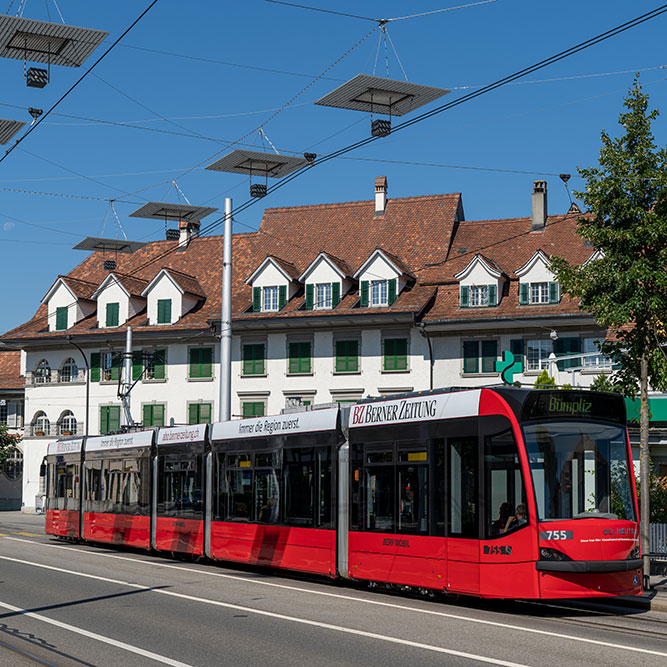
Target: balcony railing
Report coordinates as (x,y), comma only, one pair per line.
(53,430)
(55,377)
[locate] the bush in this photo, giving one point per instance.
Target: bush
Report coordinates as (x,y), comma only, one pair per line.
(544,380)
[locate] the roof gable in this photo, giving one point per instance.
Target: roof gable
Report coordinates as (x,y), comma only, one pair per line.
(183,282)
(79,289)
(539,256)
(287,269)
(479,260)
(338,265)
(394,262)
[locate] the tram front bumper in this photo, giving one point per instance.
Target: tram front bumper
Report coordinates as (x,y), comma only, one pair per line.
(589,565)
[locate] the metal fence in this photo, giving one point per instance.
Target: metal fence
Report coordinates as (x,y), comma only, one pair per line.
(658,539)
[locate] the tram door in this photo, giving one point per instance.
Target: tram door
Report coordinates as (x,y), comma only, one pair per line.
(462,484)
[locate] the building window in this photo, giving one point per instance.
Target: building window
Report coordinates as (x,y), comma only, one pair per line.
(67,425)
(253,359)
(347,356)
(299,357)
(3,413)
(395,354)
(537,354)
(538,293)
(153,414)
(379,293)
(149,365)
(69,371)
(113,310)
(164,311)
(14,464)
(201,363)
(270,298)
(199,413)
(109,419)
(42,373)
(324,296)
(110,366)
(41,424)
(61,318)
(479,295)
(480,356)
(601,361)
(252,409)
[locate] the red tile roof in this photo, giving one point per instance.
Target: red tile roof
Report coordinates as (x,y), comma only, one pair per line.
(10,370)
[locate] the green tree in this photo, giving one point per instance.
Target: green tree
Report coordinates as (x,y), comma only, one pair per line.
(625,288)
(603,382)
(7,442)
(544,380)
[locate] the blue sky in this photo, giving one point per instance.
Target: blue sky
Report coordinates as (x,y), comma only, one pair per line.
(221,69)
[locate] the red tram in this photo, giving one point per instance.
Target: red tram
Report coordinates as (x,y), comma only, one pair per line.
(494,492)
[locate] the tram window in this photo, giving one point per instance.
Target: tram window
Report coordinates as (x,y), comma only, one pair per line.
(238,491)
(412,476)
(463,475)
(114,486)
(300,482)
(505,502)
(356,513)
(325,480)
(267,496)
(379,483)
(63,487)
(180,492)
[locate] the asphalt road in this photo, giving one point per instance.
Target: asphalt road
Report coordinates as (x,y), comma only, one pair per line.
(72,604)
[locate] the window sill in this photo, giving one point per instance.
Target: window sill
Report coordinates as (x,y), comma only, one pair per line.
(347,372)
(252,375)
(479,375)
(395,371)
(310,373)
(210,379)
(66,382)
(154,380)
(595,371)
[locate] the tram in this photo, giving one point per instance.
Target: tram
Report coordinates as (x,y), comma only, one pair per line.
(494,492)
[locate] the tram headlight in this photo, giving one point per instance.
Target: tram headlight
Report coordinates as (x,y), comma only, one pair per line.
(552,554)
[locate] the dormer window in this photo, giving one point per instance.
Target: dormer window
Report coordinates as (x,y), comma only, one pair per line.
(113,310)
(539,293)
(480,283)
(479,295)
(324,296)
(270,298)
(61,318)
(379,293)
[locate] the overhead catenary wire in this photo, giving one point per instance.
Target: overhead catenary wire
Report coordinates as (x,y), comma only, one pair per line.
(35,125)
(461,100)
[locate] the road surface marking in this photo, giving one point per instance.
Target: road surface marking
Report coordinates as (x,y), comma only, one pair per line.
(94,635)
(351,630)
(30,534)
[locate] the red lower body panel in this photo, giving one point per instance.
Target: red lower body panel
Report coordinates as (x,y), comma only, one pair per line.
(303,549)
(410,560)
(181,535)
(127,529)
(62,522)
(586,585)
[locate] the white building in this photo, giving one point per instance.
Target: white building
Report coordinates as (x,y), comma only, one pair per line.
(330,303)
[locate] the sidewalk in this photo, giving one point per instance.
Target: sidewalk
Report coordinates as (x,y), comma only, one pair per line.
(658,592)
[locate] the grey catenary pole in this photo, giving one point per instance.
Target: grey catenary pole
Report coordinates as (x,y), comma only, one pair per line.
(226,319)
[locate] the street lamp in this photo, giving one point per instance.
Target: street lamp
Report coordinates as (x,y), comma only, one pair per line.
(85,361)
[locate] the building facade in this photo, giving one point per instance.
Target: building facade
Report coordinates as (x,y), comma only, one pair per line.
(11,415)
(330,303)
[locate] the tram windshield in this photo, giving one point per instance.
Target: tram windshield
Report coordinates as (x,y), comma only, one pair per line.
(580,470)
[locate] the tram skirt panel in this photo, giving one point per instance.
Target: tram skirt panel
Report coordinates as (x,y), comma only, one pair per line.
(129,530)
(64,523)
(180,535)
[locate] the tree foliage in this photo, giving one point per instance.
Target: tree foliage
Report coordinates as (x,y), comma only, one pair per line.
(7,442)
(544,380)
(602,382)
(625,288)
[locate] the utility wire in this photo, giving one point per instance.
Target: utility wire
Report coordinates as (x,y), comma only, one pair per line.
(76,83)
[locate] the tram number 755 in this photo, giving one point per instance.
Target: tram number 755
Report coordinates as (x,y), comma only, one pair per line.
(556,535)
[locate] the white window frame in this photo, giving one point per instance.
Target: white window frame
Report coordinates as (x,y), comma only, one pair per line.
(599,362)
(479,296)
(539,292)
(323,296)
(42,374)
(270,299)
(72,374)
(67,422)
(545,347)
(379,293)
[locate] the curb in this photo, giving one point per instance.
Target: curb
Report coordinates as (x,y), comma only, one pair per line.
(650,601)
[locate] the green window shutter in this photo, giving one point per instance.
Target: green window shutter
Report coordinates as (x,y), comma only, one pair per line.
(554,297)
(154,415)
(347,356)
(524,293)
(204,413)
(566,346)
(471,356)
(253,409)
(364,293)
(391,290)
(253,359)
(115,366)
(193,413)
(148,415)
(516,348)
(464,301)
(395,354)
(489,356)
(206,362)
(158,364)
(112,314)
(137,365)
(61,318)
(310,290)
(104,420)
(493,295)
(194,364)
(335,294)
(95,367)
(114,417)
(256,299)
(299,357)
(164,311)
(282,296)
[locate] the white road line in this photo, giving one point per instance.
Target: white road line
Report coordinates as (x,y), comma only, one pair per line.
(95,636)
(547,633)
(250,610)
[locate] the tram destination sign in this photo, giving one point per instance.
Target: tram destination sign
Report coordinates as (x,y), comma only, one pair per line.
(122,440)
(573,404)
(292,423)
(416,409)
(65,446)
(180,435)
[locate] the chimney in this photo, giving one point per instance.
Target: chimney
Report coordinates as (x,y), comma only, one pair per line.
(188,231)
(380,196)
(539,206)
